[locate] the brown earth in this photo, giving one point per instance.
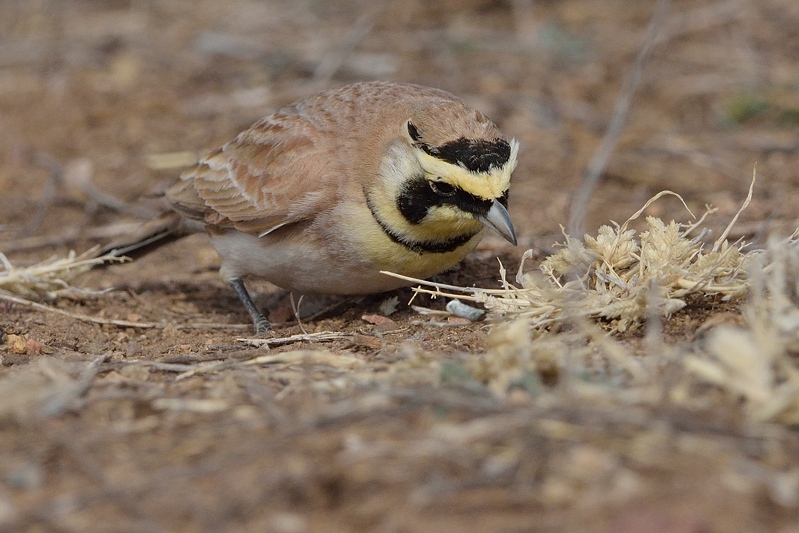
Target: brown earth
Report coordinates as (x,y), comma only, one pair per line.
(110,428)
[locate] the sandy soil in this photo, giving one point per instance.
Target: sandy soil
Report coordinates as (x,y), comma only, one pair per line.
(123,428)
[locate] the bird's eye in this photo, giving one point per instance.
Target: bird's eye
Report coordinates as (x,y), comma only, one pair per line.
(442,189)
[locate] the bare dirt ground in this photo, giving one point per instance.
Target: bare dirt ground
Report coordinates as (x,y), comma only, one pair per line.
(164,425)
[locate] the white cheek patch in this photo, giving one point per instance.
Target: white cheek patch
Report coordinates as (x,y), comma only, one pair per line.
(398,165)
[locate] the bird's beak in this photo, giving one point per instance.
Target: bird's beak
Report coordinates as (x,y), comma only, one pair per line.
(498,220)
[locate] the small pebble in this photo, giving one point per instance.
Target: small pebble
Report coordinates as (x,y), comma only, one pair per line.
(17,344)
(33,346)
(461,310)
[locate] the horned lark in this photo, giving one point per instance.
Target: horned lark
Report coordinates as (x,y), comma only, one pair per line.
(322,195)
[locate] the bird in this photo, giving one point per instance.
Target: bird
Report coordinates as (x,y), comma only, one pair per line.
(324,194)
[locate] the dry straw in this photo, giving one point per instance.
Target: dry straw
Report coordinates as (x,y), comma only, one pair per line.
(614,282)
(617,276)
(50,278)
(756,362)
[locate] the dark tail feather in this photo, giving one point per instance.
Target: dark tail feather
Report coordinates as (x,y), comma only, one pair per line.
(166,228)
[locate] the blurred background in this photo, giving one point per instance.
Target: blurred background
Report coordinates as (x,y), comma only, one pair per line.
(104,102)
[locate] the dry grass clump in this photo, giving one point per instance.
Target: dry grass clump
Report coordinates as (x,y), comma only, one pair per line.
(757,362)
(614,281)
(50,278)
(620,278)
(617,276)
(552,325)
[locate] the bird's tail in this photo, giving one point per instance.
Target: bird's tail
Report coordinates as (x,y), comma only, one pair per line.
(151,235)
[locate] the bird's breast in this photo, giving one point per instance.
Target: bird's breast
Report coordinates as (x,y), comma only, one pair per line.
(385,247)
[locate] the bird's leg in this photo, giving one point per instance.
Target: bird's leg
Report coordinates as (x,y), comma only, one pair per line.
(259,321)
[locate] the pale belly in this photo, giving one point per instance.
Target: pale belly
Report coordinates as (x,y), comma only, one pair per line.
(304,266)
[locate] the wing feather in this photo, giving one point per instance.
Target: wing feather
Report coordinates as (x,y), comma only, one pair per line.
(268,176)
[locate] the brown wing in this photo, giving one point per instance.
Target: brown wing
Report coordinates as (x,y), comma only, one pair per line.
(289,166)
(267,177)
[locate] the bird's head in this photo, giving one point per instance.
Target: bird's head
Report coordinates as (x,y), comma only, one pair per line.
(465,175)
(444,179)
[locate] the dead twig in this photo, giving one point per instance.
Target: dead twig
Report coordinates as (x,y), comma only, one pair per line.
(723,238)
(115,322)
(322,336)
(620,111)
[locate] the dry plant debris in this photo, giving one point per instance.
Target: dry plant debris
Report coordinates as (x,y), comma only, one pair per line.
(753,363)
(616,276)
(757,362)
(50,278)
(553,326)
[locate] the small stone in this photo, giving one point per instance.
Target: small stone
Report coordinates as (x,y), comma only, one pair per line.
(17,344)
(33,346)
(381,322)
(461,310)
